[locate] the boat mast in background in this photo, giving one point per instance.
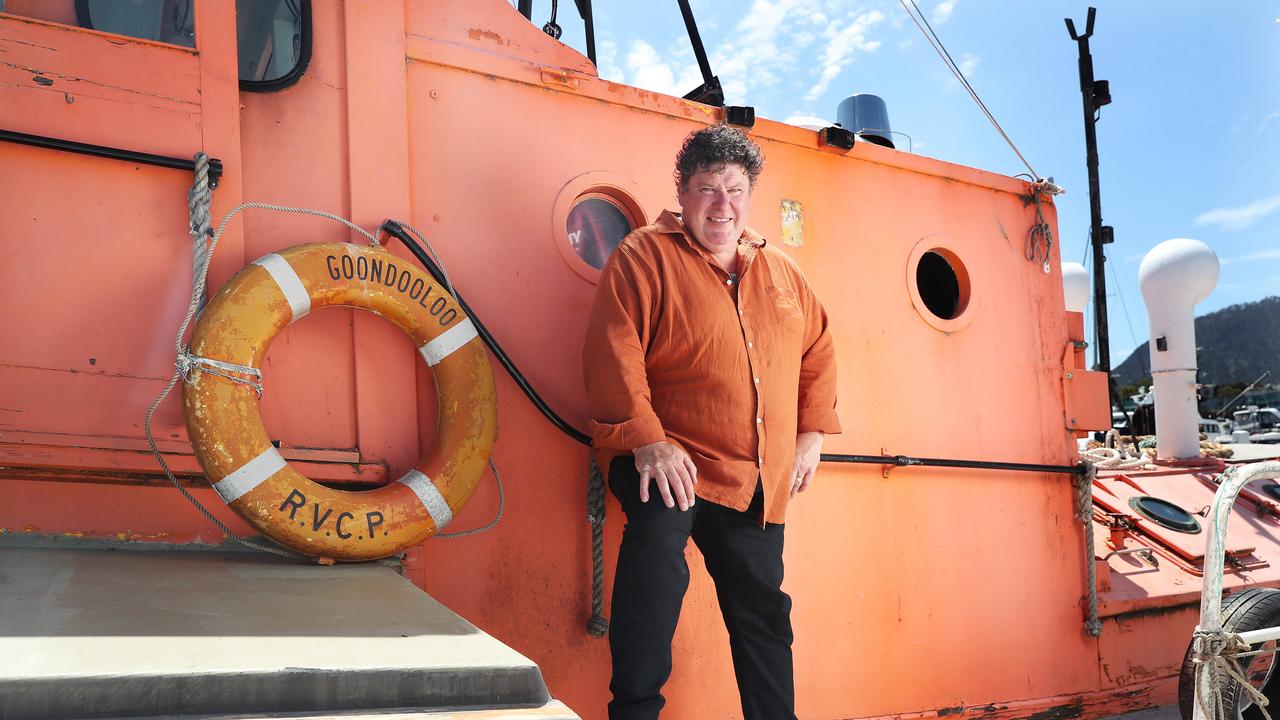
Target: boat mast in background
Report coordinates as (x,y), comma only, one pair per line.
(1096,93)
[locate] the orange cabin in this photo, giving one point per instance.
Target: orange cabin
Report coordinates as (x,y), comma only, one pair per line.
(919,592)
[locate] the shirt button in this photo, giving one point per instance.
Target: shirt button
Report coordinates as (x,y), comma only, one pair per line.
(728,282)
(759,420)
(749,344)
(757,380)
(739,312)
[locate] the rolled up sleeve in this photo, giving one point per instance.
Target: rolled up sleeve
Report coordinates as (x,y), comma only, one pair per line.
(816,411)
(622,416)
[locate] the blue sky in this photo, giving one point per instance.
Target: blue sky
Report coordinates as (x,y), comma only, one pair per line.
(1190,146)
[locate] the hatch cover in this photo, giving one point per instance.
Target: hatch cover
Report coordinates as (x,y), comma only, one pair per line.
(1164,513)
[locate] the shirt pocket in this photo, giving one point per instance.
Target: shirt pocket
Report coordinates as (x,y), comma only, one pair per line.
(787,308)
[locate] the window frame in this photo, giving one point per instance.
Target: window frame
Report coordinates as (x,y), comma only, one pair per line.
(299,68)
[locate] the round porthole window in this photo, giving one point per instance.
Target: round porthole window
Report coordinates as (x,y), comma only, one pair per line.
(595,226)
(940,284)
(591,215)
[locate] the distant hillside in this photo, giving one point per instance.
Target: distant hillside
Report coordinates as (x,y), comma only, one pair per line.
(1237,344)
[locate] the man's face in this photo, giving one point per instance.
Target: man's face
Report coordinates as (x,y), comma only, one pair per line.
(715,204)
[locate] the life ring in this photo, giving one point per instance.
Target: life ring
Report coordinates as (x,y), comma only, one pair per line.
(248,472)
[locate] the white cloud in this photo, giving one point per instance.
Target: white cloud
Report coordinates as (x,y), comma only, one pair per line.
(1267,120)
(1253,257)
(969,63)
(844,42)
(647,69)
(764,50)
(808,121)
(1239,218)
(608,62)
(942,11)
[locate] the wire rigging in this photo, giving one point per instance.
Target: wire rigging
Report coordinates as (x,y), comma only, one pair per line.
(938,47)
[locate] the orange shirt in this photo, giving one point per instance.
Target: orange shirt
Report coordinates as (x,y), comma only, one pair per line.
(676,352)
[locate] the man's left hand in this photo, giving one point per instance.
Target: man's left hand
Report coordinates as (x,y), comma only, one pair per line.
(808,454)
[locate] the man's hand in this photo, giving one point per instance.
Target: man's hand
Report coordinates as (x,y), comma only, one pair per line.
(808,453)
(672,470)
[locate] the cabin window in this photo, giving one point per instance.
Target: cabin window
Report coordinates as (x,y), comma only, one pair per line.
(596,224)
(273,36)
(166,21)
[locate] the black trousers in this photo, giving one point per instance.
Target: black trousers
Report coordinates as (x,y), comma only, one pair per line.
(745,562)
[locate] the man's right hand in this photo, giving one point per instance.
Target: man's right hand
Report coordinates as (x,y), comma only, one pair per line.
(672,470)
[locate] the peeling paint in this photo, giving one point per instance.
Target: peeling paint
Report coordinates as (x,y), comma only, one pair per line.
(482,34)
(1060,712)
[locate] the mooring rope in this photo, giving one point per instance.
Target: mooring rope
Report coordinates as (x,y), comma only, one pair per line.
(1084,513)
(1217,652)
(199,202)
(598,625)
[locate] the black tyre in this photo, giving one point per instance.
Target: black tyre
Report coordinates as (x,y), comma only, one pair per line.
(1252,609)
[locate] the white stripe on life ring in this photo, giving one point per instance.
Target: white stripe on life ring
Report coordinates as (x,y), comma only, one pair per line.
(448,341)
(250,475)
(430,496)
(289,282)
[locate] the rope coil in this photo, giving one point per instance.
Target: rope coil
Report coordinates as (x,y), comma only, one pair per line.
(1040,237)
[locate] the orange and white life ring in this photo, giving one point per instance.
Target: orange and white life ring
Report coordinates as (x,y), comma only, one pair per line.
(225,424)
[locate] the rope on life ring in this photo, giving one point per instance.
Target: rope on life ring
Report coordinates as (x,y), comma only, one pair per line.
(231,443)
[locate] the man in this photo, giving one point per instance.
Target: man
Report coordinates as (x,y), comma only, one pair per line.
(711,376)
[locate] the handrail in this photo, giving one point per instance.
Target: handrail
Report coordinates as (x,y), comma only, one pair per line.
(132,156)
(1230,483)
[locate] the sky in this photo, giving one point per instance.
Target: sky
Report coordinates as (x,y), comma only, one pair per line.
(1189,146)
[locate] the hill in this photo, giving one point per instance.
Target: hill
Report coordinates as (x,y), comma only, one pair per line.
(1237,344)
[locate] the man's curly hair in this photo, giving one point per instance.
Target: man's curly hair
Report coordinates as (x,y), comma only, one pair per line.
(714,147)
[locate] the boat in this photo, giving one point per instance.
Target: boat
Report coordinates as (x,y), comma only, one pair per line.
(960,572)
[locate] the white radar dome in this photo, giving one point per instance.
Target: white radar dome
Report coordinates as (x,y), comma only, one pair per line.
(1180,271)
(1075,286)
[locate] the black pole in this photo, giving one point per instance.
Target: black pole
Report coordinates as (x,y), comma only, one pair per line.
(589,24)
(526,9)
(908,461)
(699,51)
(1095,95)
(103,151)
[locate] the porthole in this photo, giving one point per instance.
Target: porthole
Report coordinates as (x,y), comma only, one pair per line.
(595,226)
(940,284)
(591,215)
(1165,514)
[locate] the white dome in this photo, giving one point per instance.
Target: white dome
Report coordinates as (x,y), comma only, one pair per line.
(1180,271)
(1075,286)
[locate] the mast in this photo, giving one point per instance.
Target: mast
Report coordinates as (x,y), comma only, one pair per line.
(1095,94)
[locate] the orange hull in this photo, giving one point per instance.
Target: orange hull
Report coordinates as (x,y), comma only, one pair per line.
(918,592)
